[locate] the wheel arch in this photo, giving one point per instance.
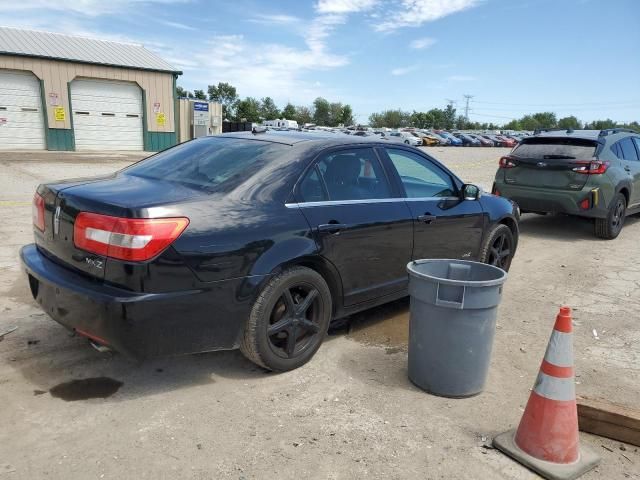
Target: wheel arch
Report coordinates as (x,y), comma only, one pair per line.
(513,226)
(327,271)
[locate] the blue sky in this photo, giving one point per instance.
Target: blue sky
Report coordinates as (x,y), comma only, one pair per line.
(514,56)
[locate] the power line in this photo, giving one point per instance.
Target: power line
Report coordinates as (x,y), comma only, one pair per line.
(627,102)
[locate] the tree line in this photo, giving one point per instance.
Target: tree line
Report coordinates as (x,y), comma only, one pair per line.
(447,119)
(250,109)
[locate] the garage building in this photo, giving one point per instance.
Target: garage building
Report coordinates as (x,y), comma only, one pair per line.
(61,92)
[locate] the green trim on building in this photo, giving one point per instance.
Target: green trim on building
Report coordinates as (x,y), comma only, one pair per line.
(176,109)
(73,129)
(156,141)
(59,139)
(56,139)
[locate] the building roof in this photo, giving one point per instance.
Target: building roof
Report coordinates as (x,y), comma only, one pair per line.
(31,43)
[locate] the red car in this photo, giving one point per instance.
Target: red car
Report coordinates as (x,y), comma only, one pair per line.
(506,141)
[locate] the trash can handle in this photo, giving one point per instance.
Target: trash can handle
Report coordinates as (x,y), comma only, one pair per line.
(450,303)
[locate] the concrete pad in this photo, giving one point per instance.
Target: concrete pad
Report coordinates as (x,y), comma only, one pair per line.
(552,471)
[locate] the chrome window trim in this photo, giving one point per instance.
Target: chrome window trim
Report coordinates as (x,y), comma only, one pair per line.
(327,203)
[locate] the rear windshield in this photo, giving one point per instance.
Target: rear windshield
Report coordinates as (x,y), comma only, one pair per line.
(219,164)
(556,148)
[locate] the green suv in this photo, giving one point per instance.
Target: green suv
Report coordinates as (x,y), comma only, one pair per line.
(587,173)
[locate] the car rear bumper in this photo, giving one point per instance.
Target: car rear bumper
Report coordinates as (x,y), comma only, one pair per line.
(141,325)
(535,199)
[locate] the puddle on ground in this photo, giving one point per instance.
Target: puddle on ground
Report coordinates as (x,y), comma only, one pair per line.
(99,387)
(386,325)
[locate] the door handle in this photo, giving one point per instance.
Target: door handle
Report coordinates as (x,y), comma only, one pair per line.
(627,168)
(426,218)
(332,228)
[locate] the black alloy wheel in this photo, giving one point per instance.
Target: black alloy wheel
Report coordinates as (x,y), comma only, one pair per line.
(499,247)
(501,251)
(611,226)
(294,324)
(289,320)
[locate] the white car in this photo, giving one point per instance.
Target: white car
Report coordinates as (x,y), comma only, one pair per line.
(405,137)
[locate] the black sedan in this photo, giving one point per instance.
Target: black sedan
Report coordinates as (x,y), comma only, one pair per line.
(251,240)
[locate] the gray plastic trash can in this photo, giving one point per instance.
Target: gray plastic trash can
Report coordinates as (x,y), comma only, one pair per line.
(453,317)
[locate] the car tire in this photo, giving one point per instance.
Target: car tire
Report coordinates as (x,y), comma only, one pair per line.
(611,226)
(498,247)
(278,312)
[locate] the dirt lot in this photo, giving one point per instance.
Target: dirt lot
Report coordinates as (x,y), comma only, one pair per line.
(349,413)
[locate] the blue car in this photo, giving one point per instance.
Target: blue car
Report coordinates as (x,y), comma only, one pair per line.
(455,142)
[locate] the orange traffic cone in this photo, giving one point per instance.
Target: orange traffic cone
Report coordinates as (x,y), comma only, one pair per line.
(546,440)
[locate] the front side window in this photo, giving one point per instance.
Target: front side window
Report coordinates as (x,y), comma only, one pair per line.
(420,177)
(347,175)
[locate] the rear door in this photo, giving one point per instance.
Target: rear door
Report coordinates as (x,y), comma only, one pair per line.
(444,225)
(630,149)
(548,162)
(360,223)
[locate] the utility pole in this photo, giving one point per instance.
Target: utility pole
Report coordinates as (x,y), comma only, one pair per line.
(466,106)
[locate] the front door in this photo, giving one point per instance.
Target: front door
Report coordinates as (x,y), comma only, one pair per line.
(359,226)
(445,226)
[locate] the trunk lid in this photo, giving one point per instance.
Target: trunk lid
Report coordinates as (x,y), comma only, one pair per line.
(548,162)
(118,195)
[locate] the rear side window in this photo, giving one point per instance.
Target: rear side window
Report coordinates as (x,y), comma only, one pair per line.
(219,164)
(556,148)
(628,149)
(615,148)
(354,174)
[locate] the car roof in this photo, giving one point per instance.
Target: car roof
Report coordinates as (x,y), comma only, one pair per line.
(293,138)
(599,135)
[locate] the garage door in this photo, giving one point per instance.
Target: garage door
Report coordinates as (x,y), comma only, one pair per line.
(106,115)
(21,119)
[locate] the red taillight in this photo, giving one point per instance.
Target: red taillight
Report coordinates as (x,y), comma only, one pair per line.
(37,211)
(133,239)
(507,162)
(595,167)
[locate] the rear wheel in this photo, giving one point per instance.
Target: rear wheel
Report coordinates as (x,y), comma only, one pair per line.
(499,247)
(289,320)
(610,226)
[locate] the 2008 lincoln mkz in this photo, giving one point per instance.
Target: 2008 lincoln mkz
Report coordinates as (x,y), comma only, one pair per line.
(251,240)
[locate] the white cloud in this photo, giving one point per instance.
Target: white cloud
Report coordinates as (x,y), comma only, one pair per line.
(89,8)
(274,19)
(344,6)
(178,25)
(422,43)
(461,78)
(404,70)
(413,13)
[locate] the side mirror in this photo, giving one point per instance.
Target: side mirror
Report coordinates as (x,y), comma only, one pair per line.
(471,192)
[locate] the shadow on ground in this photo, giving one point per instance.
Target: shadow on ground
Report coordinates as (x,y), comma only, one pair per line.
(562,227)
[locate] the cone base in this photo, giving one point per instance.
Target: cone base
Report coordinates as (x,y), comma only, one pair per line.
(552,471)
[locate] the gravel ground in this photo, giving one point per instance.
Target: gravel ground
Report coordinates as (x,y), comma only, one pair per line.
(350,413)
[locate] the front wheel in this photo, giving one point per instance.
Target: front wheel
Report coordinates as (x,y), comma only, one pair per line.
(498,247)
(610,226)
(288,321)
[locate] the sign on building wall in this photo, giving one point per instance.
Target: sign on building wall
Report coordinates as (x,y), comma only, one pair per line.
(160,119)
(54,101)
(156,107)
(200,113)
(59,114)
